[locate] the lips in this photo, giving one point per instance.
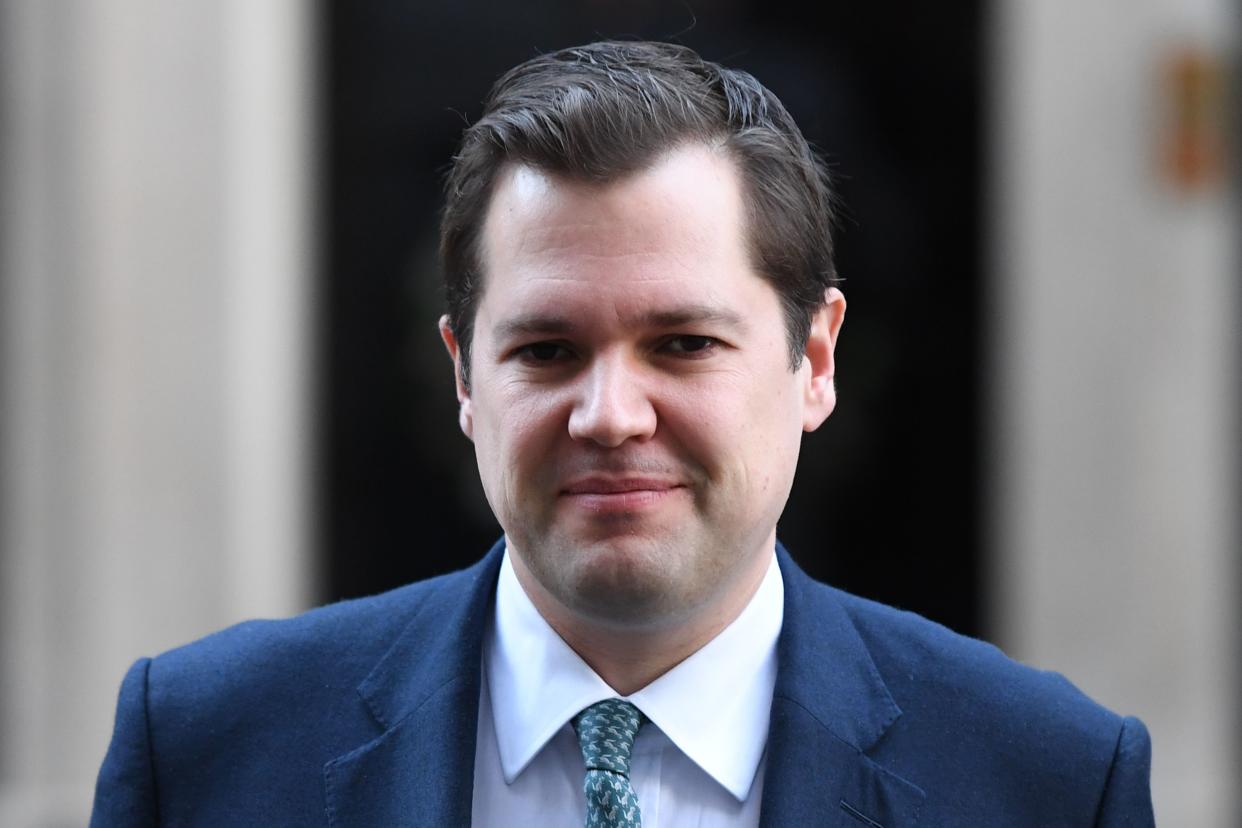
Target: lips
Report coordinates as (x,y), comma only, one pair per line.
(600,485)
(606,495)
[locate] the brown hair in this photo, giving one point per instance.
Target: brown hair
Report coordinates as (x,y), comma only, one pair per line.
(602,111)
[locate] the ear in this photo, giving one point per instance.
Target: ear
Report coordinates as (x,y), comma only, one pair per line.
(465,411)
(820,395)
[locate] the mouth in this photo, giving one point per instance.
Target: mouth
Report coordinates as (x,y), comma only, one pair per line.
(619,495)
(603,485)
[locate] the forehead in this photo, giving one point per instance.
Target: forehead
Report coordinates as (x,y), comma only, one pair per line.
(674,227)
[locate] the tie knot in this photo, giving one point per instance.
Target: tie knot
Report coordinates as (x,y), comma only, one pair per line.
(606,732)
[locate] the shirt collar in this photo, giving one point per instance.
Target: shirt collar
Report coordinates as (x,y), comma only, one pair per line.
(537,684)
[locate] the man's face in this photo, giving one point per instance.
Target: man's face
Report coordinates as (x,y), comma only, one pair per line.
(634,415)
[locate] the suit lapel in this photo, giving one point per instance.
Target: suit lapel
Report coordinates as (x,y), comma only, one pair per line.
(424,693)
(829,708)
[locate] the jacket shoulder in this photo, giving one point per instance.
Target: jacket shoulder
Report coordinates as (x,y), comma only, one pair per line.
(929,667)
(328,639)
(237,726)
(294,679)
(971,713)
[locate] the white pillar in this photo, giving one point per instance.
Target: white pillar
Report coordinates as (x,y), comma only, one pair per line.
(1115,381)
(154,314)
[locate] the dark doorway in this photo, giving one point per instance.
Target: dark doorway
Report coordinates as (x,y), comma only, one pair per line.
(886,503)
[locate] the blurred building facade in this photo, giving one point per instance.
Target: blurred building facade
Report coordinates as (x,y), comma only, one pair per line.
(157,307)
(1116,376)
(153,323)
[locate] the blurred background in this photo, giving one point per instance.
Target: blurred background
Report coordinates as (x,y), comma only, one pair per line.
(222,394)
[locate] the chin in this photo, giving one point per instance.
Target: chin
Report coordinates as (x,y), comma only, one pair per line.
(628,581)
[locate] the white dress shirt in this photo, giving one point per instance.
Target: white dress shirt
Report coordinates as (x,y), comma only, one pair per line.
(697,762)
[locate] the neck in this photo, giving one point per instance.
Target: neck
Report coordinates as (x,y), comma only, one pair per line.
(628,658)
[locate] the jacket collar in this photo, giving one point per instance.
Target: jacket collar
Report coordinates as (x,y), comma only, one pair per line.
(830,707)
(424,693)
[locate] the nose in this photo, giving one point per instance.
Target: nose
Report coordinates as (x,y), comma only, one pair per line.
(612,404)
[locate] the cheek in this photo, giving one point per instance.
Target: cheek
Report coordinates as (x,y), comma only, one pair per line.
(721,424)
(764,421)
(519,432)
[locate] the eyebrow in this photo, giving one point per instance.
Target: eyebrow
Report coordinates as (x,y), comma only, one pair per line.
(557,325)
(694,314)
(532,324)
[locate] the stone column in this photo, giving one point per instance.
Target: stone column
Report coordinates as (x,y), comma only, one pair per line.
(154,314)
(1115,380)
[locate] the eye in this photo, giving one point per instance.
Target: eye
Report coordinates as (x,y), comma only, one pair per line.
(542,352)
(690,345)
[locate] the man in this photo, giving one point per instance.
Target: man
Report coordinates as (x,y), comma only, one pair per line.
(642,322)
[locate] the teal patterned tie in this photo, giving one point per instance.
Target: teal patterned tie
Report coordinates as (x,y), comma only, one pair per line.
(606,732)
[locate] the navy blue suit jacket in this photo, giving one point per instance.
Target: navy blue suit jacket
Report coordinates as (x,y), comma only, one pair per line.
(364,714)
